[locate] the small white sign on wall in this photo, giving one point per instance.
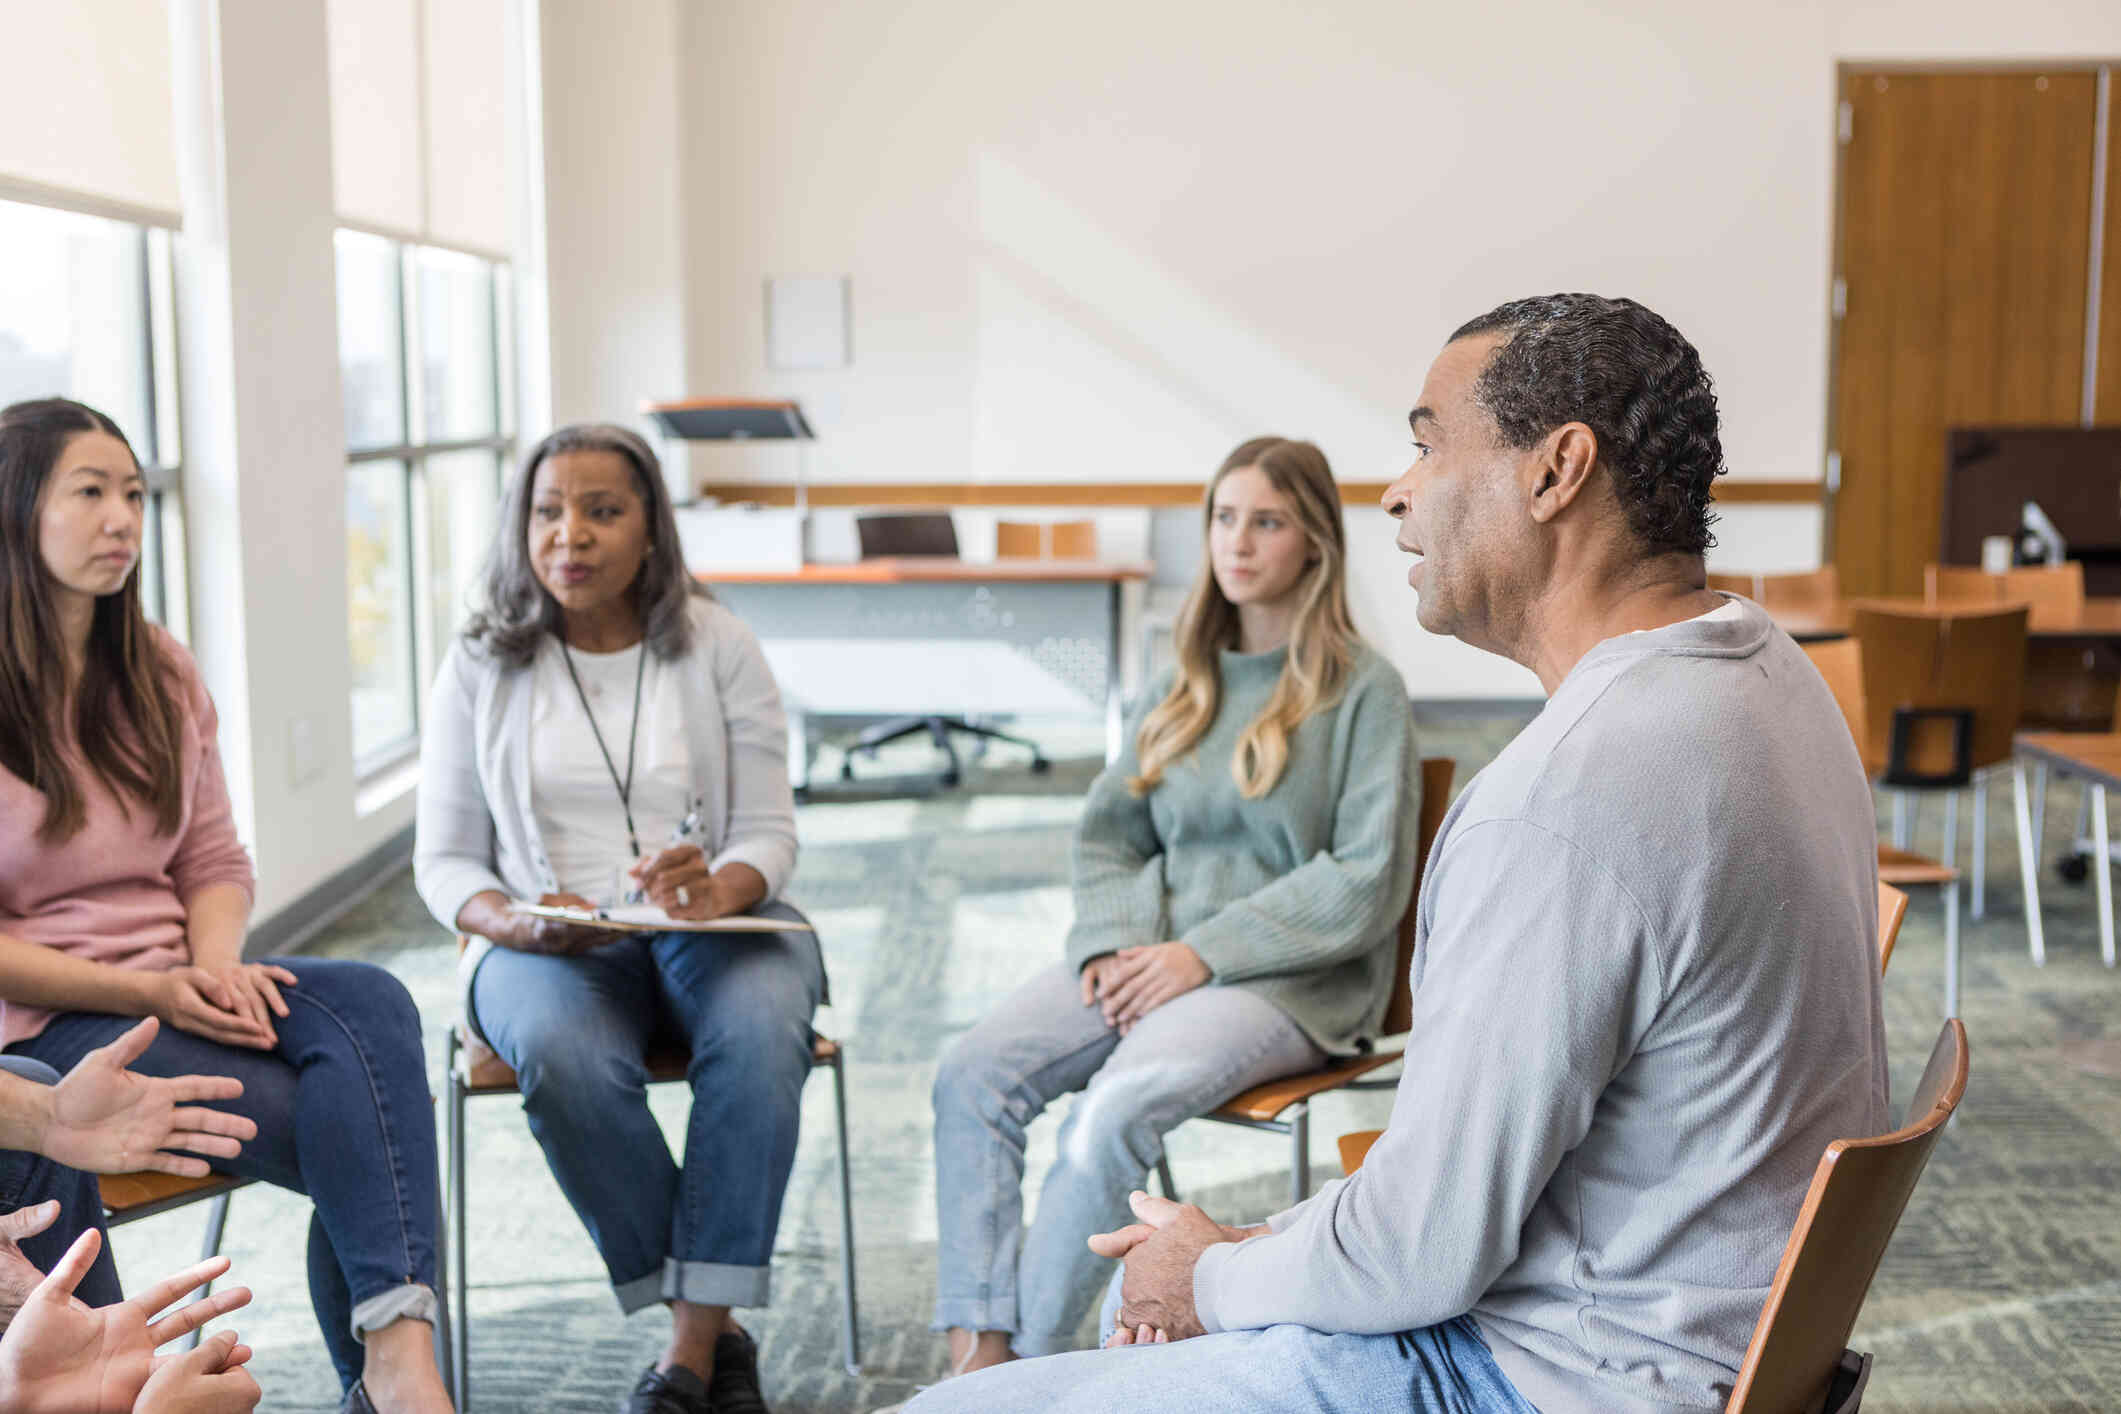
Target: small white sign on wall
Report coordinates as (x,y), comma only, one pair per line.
(807,321)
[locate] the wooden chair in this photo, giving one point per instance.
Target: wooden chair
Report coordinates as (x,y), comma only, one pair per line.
(2070,686)
(1813,590)
(1892,910)
(130,1197)
(1840,662)
(1797,1360)
(1942,687)
(1045,540)
(1284,1106)
(474,1070)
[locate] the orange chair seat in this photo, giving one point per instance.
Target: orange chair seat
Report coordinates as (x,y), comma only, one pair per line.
(487,1074)
(122,1192)
(1264,1103)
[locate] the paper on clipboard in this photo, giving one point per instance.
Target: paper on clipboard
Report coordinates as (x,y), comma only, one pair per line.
(647,918)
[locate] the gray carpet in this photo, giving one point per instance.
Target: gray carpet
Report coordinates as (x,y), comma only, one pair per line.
(2002,1290)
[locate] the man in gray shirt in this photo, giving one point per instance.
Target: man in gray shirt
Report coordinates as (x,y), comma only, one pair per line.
(1646,978)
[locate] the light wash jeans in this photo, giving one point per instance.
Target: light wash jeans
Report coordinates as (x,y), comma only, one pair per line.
(1181,1060)
(343,1115)
(1441,1369)
(577,1030)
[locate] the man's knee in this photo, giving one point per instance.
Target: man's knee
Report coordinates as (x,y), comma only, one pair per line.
(971,1080)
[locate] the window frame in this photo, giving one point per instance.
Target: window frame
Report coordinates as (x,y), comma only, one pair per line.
(412,454)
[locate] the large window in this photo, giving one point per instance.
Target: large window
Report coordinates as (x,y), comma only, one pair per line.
(86,312)
(423,345)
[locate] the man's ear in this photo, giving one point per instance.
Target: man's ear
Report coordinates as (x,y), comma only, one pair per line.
(1561,468)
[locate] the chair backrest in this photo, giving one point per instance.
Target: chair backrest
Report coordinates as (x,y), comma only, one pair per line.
(1019,540)
(1856,1198)
(1045,539)
(1919,665)
(1436,774)
(1072,540)
(1892,908)
(2056,587)
(921,533)
(1811,590)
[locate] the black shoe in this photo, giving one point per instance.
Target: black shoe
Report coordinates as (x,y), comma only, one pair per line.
(735,1386)
(673,1391)
(357,1401)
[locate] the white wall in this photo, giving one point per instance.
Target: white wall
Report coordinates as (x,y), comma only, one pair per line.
(1109,240)
(614,213)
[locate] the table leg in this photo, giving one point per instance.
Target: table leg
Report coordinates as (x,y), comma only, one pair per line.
(2028,866)
(1115,706)
(798,750)
(2103,865)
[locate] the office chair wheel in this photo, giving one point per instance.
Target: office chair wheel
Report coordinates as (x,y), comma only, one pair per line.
(802,795)
(847,767)
(2074,868)
(1040,765)
(952,776)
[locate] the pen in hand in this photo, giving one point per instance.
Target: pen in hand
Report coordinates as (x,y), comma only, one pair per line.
(681,834)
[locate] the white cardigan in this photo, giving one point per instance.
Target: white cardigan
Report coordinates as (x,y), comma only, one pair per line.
(476,830)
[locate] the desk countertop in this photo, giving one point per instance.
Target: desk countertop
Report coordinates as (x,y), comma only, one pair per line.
(937,569)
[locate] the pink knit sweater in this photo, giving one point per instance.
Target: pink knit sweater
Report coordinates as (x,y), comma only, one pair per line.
(115,892)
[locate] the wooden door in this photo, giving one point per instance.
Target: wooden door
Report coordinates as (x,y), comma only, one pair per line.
(1964,237)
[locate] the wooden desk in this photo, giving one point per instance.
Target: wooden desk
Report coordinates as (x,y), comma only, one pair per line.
(2096,758)
(923,636)
(2097,619)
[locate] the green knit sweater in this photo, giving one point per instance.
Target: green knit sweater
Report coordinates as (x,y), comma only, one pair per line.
(1295,896)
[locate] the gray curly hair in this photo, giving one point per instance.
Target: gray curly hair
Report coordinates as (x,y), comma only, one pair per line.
(517,612)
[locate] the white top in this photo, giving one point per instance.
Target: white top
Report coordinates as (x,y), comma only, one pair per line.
(575,804)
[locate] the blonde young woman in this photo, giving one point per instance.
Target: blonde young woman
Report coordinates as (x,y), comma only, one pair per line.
(1239,872)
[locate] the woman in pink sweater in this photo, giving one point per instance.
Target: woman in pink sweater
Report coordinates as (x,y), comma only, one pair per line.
(124,893)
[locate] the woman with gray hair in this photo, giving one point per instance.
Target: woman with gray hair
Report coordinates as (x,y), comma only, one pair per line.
(604,725)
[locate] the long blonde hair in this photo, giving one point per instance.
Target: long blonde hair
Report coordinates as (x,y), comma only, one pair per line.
(1321,646)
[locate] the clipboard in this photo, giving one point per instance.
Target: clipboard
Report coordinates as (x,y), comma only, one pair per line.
(647,918)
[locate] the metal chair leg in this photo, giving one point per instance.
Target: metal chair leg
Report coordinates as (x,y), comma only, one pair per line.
(1951,948)
(216,1225)
(445,1338)
(2028,867)
(2103,872)
(1981,847)
(1163,1176)
(1300,1158)
(850,1320)
(460,1269)
(1951,828)
(1901,824)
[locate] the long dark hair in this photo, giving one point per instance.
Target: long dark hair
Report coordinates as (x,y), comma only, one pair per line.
(518,613)
(127,724)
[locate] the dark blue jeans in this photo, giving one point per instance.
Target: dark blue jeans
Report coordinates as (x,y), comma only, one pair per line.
(577,1030)
(29,1179)
(343,1115)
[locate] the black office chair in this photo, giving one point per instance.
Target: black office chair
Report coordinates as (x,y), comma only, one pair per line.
(927,533)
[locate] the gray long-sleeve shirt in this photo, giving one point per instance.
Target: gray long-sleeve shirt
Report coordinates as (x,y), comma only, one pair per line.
(1646,998)
(1295,896)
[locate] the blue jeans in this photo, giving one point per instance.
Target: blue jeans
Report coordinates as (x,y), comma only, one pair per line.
(29,1179)
(1181,1060)
(343,1115)
(577,1031)
(1442,1369)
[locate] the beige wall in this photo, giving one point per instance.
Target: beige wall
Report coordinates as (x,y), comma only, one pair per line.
(1109,240)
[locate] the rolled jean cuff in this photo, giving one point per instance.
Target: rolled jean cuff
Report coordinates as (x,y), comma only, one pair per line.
(965,1313)
(715,1283)
(411,1301)
(640,1293)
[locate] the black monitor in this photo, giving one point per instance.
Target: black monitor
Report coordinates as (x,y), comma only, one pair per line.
(925,533)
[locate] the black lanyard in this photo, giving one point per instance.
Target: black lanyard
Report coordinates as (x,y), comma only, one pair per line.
(625,787)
